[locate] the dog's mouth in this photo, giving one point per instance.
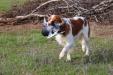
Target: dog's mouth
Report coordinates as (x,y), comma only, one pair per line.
(52,35)
(49,33)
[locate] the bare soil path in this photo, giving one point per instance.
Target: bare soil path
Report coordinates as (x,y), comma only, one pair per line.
(7,28)
(96,29)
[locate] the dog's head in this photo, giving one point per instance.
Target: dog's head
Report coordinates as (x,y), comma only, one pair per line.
(52,26)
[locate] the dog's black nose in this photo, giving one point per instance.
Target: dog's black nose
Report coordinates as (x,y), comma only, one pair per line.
(45,32)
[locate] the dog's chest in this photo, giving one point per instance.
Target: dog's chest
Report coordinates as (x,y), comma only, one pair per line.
(60,39)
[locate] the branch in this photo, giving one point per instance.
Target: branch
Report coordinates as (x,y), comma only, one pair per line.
(73,8)
(100,8)
(43,4)
(67,4)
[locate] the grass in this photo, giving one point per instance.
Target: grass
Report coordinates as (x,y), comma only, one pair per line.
(29,53)
(7,4)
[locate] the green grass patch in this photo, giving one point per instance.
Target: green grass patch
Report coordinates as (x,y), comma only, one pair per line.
(29,53)
(7,4)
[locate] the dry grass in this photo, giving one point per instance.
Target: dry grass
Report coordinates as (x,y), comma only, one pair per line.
(101,30)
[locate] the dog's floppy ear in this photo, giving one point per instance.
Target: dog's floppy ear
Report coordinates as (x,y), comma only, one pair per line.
(44,22)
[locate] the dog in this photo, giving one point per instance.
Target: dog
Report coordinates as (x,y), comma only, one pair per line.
(66,30)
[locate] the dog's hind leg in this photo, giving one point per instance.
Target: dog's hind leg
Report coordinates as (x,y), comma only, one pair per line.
(85,44)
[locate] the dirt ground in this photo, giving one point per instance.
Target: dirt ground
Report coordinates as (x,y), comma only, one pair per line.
(8,28)
(101,30)
(96,28)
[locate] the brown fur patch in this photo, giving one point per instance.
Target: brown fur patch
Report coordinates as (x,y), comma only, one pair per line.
(77,25)
(54,19)
(65,29)
(57,19)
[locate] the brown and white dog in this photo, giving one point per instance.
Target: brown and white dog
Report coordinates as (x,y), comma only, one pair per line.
(66,30)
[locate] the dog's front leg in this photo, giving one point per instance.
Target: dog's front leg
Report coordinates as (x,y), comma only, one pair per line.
(65,50)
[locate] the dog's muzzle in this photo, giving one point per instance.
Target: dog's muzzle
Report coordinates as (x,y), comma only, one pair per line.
(50,31)
(45,32)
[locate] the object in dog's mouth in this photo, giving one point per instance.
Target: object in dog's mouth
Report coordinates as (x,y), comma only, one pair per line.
(55,33)
(51,35)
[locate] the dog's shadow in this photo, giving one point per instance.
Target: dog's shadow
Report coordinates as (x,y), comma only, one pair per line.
(79,60)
